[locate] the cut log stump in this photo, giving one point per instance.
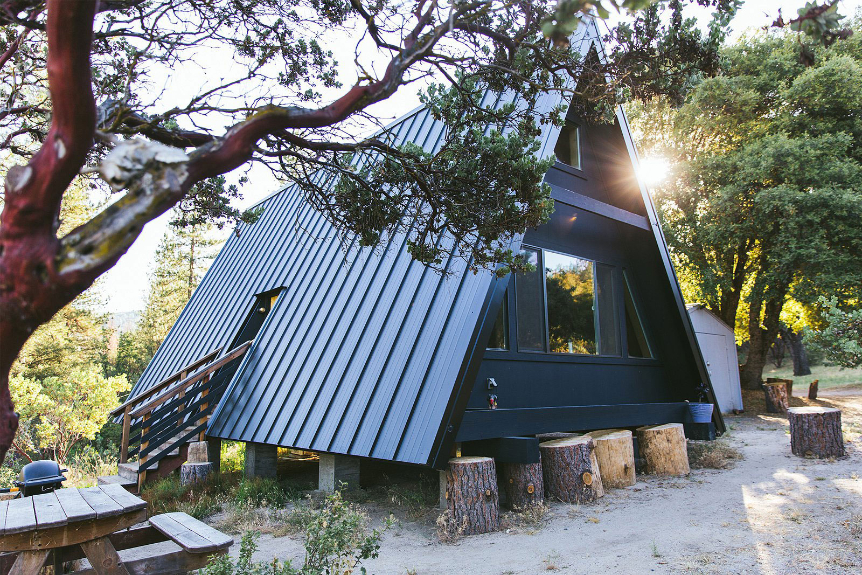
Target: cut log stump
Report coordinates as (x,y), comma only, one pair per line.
(663,449)
(522,484)
(191,473)
(816,432)
(570,469)
(615,454)
(812,389)
(472,496)
(776,397)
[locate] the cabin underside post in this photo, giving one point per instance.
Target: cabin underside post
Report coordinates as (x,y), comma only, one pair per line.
(260,460)
(338,472)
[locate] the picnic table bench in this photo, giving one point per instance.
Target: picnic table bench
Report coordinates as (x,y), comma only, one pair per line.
(96,523)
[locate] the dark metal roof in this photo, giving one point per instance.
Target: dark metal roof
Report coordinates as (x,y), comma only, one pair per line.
(365,352)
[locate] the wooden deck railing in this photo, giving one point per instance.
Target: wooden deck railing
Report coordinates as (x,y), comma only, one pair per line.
(176,410)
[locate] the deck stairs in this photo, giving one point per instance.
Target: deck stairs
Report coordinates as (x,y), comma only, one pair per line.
(159,424)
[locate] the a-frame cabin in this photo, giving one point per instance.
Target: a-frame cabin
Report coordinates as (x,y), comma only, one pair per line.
(364,352)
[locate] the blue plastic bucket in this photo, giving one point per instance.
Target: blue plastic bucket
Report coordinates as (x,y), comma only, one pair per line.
(700,412)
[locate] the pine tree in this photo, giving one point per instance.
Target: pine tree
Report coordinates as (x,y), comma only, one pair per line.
(184,254)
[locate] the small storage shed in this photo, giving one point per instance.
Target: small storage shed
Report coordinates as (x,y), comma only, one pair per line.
(366,353)
(718,347)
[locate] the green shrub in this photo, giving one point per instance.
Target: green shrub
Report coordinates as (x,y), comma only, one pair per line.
(201,500)
(260,492)
(245,566)
(232,456)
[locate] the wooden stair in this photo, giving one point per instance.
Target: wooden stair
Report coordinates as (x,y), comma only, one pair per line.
(159,424)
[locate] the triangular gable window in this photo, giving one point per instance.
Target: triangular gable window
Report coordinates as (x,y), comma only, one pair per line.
(635,335)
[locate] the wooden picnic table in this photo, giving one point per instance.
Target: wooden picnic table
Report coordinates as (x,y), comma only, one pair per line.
(34,526)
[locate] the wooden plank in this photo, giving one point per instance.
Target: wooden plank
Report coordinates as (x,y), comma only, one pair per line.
(123,497)
(103,505)
(170,563)
(74,505)
(103,557)
(216,537)
(49,513)
(137,536)
(20,516)
(181,535)
(72,533)
(29,562)
(3,506)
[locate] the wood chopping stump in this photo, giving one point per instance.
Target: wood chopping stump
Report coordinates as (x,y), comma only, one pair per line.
(615,454)
(472,496)
(776,397)
(523,484)
(570,469)
(816,432)
(663,449)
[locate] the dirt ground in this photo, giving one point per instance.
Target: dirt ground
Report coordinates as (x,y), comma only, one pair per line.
(772,513)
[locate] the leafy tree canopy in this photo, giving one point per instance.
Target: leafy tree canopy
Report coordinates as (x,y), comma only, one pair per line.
(767,194)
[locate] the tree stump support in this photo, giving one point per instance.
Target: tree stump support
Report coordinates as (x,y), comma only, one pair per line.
(523,484)
(570,469)
(816,432)
(191,473)
(663,449)
(812,389)
(776,397)
(472,496)
(615,454)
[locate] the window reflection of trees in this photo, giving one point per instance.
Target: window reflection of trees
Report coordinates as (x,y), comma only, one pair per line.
(571,296)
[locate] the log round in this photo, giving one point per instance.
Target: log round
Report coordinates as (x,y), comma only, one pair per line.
(570,470)
(816,432)
(615,454)
(812,389)
(776,397)
(663,449)
(472,495)
(522,484)
(191,473)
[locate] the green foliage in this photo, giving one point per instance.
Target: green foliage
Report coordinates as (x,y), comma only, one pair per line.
(245,565)
(766,197)
(57,412)
(200,501)
(841,337)
(337,537)
(261,492)
(183,256)
(336,540)
(232,456)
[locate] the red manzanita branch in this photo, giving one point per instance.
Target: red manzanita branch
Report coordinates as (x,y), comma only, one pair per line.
(31,291)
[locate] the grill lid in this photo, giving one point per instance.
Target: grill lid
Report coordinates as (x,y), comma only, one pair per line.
(40,473)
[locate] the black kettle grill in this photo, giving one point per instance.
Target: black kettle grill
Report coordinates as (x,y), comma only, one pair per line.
(40,477)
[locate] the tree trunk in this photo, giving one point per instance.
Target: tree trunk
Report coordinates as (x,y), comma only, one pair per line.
(759,338)
(472,496)
(523,484)
(570,470)
(776,397)
(663,449)
(797,351)
(816,431)
(191,473)
(616,456)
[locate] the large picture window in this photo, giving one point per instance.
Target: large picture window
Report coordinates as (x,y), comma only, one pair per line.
(566,305)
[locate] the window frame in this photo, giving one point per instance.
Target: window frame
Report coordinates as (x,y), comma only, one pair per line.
(559,164)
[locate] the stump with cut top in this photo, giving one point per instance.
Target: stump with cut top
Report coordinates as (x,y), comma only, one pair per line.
(775,394)
(570,469)
(472,496)
(663,449)
(616,456)
(522,484)
(816,432)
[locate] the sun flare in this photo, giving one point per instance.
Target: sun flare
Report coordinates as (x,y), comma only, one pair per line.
(654,171)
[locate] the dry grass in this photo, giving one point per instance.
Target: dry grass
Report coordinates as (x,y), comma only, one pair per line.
(448,530)
(712,455)
(529,518)
(854,524)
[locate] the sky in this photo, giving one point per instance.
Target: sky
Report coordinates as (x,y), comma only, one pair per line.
(125,285)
